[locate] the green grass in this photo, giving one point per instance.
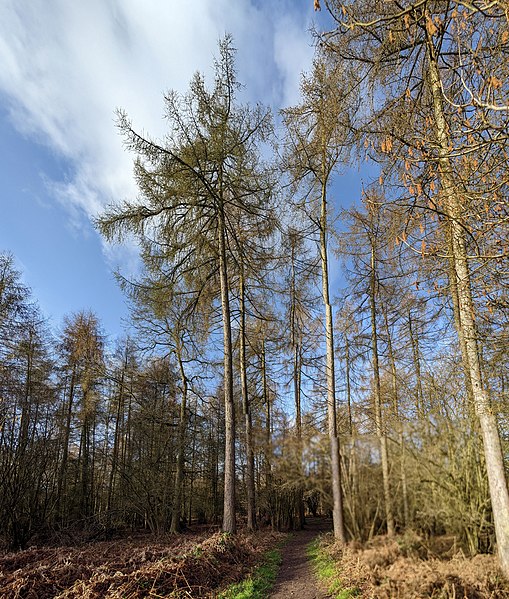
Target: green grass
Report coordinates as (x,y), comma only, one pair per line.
(258,585)
(326,570)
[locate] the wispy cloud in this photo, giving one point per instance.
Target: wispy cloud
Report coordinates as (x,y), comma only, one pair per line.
(66,66)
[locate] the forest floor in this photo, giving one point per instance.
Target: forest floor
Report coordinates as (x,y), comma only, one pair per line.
(411,567)
(194,564)
(202,563)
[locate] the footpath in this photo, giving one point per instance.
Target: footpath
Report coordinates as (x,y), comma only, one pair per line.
(296,579)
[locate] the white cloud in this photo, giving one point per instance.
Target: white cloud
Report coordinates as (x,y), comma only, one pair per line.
(292,56)
(67,65)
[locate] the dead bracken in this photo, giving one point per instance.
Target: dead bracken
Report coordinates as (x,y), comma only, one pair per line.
(389,569)
(183,566)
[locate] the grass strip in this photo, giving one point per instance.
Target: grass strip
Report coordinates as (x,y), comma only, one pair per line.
(259,583)
(326,570)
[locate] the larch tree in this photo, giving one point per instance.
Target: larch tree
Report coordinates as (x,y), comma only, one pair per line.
(437,109)
(82,352)
(192,185)
(318,133)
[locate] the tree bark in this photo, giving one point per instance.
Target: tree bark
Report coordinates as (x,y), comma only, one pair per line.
(337,510)
(465,320)
(297,378)
(268,425)
(397,415)
(181,440)
(229,523)
(65,445)
(380,429)
(250,482)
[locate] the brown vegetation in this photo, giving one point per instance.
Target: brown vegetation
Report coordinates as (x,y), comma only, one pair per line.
(410,567)
(186,566)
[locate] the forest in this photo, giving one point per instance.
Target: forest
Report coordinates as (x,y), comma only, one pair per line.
(291,352)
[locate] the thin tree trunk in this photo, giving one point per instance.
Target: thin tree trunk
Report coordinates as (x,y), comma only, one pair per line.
(229,523)
(193,465)
(397,415)
(337,511)
(250,482)
(297,376)
(348,386)
(380,430)
(116,440)
(268,426)
(25,407)
(181,440)
(414,340)
(466,326)
(65,444)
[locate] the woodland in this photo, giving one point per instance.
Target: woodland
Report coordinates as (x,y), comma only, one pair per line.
(291,351)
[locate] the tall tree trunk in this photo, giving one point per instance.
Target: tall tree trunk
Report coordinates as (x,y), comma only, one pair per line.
(348,386)
(25,406)
(250,482)
(62,471)
(297,376)
(399,422)
(268,427)
(337,510)
(414,340)
(353,471)
(465,322)
(380,429)
(116,439)
(229,523)
(192,473)
(181,440)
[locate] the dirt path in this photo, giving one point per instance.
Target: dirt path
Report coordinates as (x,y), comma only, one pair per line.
(296,579)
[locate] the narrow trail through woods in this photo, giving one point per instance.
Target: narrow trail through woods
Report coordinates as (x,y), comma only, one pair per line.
(296,578)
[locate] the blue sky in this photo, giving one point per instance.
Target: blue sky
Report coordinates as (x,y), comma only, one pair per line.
(66,66)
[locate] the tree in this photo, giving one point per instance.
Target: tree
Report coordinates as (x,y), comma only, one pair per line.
(435,72)
(81,347)
(192,184)
(318,132)
(27,411)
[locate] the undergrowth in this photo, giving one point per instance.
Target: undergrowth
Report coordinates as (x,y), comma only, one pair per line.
(259,583)
(191,566)
(326,569)
(405,566)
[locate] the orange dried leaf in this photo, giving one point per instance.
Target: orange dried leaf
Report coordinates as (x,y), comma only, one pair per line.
(430,26)
(495,82)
